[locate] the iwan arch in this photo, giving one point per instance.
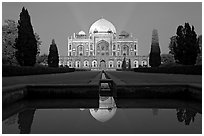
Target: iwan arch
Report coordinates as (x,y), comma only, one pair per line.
(102,49)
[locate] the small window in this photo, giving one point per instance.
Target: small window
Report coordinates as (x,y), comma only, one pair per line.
(135,47)
(70,47)
(110,64)
(135,63)
(81,48)
(119,64)
(86,63)
(114,47)
(91,47)
(94,64)
(102,48)
(114,54)
(98,53)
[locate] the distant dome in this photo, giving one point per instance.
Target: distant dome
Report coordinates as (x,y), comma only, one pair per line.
(102,25)
(81,33)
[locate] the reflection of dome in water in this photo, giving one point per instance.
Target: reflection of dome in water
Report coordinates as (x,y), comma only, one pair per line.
(103,115)
(102,25)
(107,109)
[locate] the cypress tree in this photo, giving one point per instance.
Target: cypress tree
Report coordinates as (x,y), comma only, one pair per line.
(154,57)
(129,64)
(124,64)
(53,57)
(26,44)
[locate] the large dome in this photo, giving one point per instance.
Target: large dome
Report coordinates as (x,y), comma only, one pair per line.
(102,25)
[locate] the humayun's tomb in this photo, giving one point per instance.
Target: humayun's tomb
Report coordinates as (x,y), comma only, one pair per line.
(102,49)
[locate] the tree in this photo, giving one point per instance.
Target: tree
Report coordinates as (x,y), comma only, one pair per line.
(184,46)
(172,45)
(129,64)
(167,58)
(199,57)
(53,57)
(124,64)
(26,44)
(154,57)
(9,34)
(42,59)
(37,37)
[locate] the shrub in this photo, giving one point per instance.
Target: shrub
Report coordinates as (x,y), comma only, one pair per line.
(82,69)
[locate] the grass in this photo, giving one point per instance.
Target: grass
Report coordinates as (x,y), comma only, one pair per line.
(8,70)
(188,70)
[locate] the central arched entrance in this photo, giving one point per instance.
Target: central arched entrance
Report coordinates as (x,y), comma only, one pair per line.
(102,48)
(102,65)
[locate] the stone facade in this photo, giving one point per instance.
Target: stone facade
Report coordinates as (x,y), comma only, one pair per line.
(102,49)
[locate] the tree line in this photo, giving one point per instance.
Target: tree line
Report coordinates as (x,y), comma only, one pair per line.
(185,48)
(21,46)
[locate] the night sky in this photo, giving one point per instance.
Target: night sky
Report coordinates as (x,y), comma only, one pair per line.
(60,20)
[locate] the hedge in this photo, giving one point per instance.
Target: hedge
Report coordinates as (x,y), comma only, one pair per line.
(189,70)
(82,69)
(8,70)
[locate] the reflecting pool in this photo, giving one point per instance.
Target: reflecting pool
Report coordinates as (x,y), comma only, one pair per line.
(111,116)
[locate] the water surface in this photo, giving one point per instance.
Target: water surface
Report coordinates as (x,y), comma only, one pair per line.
(108,118)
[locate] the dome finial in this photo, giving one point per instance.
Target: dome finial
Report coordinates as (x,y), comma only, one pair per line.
(102,17)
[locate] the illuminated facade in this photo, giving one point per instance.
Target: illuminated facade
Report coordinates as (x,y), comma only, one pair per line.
(102,49)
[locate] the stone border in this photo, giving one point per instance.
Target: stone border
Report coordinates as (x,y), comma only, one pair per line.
(19,92)
(155,90)
(178,91)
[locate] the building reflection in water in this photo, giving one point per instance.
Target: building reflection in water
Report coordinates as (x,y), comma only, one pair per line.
(155,111)
(107,109)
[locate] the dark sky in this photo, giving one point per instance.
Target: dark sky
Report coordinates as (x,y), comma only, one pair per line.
(60,20)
